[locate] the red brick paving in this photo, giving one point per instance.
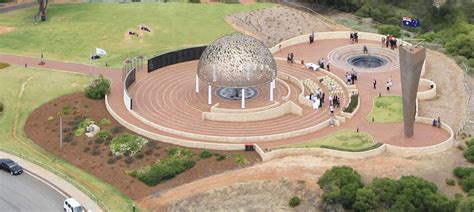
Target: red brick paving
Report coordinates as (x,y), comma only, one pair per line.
(392,133)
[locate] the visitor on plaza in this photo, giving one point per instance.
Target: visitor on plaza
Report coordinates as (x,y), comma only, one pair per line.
(331,108)
(383,41)
(387,40)
(374,82)
(387,84)
(352,37)
(327,66)
(365,50)
(311,38)
(292,58)
(356,37)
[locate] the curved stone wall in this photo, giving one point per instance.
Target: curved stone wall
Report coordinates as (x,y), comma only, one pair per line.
(429,94)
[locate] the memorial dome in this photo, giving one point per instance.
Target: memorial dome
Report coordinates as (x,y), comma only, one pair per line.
(237,61)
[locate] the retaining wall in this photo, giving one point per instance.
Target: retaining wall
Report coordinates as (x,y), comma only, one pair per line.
(281,110)
(429,94)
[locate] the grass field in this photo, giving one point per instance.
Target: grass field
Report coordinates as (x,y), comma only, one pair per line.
(346,139)
(387,109)
(73,31)
(21,91)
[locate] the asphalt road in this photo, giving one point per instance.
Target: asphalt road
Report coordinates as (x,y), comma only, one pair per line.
(26,193)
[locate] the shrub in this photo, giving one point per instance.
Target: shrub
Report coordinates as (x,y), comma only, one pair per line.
(128,160)
(78,132)
(294,201)
(104,122)
(68,138)
(104,135)
(469,154)
(353,104)
(450,182)
(111,160)
(470,142)
(178,161)
(129,144)
(205,154)
(95,151)
(467,183)
(179,151)
(140,156)
(98,88)
(66,110)
(221,157)
(240,159)
(116,129)
(389,29)
(462,172)
(340,185)
(1,107)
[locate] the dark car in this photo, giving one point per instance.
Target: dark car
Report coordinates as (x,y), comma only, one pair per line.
(10,166)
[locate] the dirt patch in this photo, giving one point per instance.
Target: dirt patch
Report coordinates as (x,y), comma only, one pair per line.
(266,24)
(79,150)
(4,29)
(264,195)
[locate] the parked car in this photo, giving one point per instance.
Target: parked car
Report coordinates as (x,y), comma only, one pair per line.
(71,205)
(10,166)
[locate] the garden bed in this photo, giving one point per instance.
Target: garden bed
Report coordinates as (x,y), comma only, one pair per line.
(95,157)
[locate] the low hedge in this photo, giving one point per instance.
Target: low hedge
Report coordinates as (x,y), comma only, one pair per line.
(353,104)
(175,163)
(1,107)
(375,146)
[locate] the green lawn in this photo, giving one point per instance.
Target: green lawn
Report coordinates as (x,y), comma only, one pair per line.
(346,139)
(24,89)
(387,109)
(73,31)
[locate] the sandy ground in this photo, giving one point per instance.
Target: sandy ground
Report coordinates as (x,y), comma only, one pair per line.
(451,103)
(275,24)
(250,196)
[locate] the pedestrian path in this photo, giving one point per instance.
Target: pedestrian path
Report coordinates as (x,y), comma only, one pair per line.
(469,126)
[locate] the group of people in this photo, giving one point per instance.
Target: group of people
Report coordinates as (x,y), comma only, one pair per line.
(389,40)
(323,63)
(351,77)
(388,83)
(354,37)
(290,58)
(318,100)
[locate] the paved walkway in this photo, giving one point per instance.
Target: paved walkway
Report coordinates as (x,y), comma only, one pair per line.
(54,181)
(6,9)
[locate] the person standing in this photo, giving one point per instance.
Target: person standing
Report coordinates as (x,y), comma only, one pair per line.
(352,37)
(387,84)
(365,50)
(383,41)
(374,83)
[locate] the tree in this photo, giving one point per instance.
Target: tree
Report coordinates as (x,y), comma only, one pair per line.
(365,200)
(340,185)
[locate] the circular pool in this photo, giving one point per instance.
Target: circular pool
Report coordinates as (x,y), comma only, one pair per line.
(367,61)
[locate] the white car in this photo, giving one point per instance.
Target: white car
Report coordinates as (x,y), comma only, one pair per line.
(71,205)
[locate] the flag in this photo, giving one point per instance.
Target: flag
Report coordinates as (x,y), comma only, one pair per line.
(409,22)
(100,51)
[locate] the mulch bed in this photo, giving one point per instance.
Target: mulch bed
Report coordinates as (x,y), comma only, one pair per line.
(79,150)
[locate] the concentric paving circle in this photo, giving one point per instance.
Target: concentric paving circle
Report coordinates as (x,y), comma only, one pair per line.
(352,56)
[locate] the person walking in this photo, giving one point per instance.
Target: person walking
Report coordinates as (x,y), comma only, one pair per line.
(387,84)
(374,83)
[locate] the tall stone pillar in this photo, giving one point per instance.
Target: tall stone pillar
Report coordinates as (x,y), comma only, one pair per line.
(411,62)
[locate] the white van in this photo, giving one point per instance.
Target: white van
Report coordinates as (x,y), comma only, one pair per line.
(71,205)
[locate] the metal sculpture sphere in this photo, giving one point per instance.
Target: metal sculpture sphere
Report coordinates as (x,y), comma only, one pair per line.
(237,61)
